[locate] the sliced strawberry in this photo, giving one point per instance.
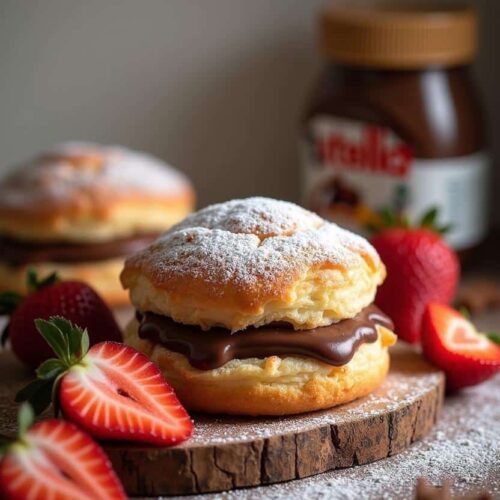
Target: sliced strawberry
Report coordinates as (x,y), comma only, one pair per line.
(452,343)
(111,390)
(54,459)
(119,393)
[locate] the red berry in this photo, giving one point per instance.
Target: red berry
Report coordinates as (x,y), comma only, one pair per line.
(75,301)
(421,268)
(118,393)
(452,343)
(110,390)
(55,459)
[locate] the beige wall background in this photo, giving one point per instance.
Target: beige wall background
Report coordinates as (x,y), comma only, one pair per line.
(215,87)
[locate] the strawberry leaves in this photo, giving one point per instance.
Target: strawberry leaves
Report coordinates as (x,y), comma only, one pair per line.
(38,393)
(33,283)
(70,343)
(25,418)
(494,337)
(430,221)
(390,218)
(55,338)
(10,301)
(429,218)
(49,369)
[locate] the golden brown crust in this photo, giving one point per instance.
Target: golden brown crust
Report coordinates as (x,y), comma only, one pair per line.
(271,386)
(88,192)
(251,262)
(91,225)
(102,276)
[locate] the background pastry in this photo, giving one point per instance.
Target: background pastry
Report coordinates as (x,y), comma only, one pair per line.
(279,303)
(80,208)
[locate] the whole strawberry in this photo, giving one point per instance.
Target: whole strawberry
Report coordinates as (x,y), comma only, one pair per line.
(421,268)
(50,297)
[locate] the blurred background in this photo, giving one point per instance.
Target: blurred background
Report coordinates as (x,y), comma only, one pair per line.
(214,87)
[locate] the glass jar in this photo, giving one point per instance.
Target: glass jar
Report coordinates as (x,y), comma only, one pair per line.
(395,121)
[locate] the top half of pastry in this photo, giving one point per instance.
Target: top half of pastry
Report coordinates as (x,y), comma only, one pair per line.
(86,193)
(253,262)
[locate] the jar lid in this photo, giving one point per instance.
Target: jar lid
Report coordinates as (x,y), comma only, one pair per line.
(399,37)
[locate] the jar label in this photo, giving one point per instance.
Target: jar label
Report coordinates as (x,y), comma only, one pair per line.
(352,170)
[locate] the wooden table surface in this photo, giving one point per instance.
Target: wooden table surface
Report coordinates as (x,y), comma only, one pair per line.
(464,448)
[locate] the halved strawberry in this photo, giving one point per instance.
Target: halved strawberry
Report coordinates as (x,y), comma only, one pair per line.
(111,390)
(452,343)
(55,459)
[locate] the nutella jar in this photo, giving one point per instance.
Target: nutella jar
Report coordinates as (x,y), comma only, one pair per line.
(395,121)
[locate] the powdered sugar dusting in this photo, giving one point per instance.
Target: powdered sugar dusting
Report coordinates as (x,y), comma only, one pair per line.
(260,216)
(251,243)
(110,169)
(464,448)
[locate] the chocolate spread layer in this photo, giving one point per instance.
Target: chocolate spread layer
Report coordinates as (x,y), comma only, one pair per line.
(18,253)
(334,344)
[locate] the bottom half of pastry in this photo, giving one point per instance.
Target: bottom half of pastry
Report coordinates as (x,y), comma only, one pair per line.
(272,385)
(98,263)
(102,275)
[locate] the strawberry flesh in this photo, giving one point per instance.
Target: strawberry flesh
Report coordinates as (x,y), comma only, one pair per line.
(118,393)
(57,460)
(453,344)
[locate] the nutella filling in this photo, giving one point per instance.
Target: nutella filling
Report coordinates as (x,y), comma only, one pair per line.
(206,350)
(18,253)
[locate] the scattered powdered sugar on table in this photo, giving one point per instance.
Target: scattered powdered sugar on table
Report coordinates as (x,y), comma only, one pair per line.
(399,390)
(464,447)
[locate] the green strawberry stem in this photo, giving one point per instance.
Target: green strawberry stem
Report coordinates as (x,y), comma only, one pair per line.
(465,312)
(25,418)
(494,337)
(9,301)
(33,283)
(390,218)
(70,343)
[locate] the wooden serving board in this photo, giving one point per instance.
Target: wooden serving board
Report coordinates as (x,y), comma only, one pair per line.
(229,452)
